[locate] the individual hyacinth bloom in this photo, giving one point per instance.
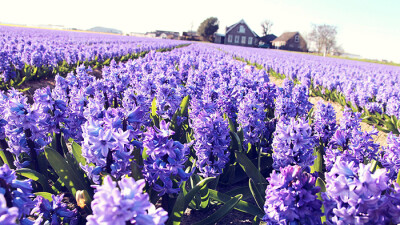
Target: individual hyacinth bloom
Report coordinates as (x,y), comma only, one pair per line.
(165,159)
(352,145)
(324,124)
(211,132)
(19,191)
(124,204)
(54,212)
(355,195)
(350,120)
(291,198)
(300,99)
(374,107)
(293,143)
(287,88)
(250,118)
(106,145)
(267,94)
(393,107)
(8,216)
(391,156)
(285,107)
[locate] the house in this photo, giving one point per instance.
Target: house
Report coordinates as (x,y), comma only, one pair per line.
(291,41)
(241,34)
(163,34)
(266,41)
(219,38)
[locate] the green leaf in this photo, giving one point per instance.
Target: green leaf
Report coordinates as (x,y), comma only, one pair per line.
(22,81)
(398,125)
(202,197)
(319,161)
(77,152)
(255,191)
(232,127)
(221,212)
(153,114)
(251,171)
(183,200)
(64,171)
(184,106)
(245,191)
(398,178)
(390,126)
(7,157)
(32,174)
(236,144)
(45,195)
(320,183)
(256,220)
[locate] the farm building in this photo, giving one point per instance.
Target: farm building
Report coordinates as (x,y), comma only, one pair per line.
(219,38)
(163,34)
(266,41)
(291,41)
(241,34)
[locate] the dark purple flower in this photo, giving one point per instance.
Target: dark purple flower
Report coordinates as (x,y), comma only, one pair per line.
(211,132)
(291,198)
(165,159)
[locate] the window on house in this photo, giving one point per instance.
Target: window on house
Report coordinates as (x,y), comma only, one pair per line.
(243,39)
(250,41)
(296,38)
(230,38)
(236,39)
(241,29)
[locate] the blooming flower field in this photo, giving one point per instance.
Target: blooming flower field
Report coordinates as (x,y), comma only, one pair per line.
(168,131)
(30,53)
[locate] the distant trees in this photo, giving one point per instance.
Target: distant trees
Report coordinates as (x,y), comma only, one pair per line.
(266,27)
(324,38)
(208,27)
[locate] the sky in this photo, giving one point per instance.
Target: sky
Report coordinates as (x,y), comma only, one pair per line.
(367,28)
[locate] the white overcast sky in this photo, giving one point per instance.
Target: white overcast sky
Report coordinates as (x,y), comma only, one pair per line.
(365,27)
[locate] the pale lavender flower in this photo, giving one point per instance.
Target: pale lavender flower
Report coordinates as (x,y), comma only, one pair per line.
(124,204)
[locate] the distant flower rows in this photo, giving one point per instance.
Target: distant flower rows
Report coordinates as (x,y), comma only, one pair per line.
(38,52)
(369,87)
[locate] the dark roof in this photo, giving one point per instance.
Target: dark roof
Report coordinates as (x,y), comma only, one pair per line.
(286,36)
(268,38)
(241,21)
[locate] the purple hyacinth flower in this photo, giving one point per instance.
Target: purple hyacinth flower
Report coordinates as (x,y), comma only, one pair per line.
(124,204)
(291,198)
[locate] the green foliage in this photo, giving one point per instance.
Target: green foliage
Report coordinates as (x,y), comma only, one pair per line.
(183,200)
(208,27)
(221,212)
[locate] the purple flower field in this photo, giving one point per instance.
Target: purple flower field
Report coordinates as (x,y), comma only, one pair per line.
(191,127)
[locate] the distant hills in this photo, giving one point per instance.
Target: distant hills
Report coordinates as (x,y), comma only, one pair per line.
(105,30)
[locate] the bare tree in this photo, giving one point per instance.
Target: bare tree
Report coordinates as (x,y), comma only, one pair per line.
(323,37)
(266,27)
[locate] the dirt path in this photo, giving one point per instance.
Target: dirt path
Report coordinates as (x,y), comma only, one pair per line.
(381,138)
